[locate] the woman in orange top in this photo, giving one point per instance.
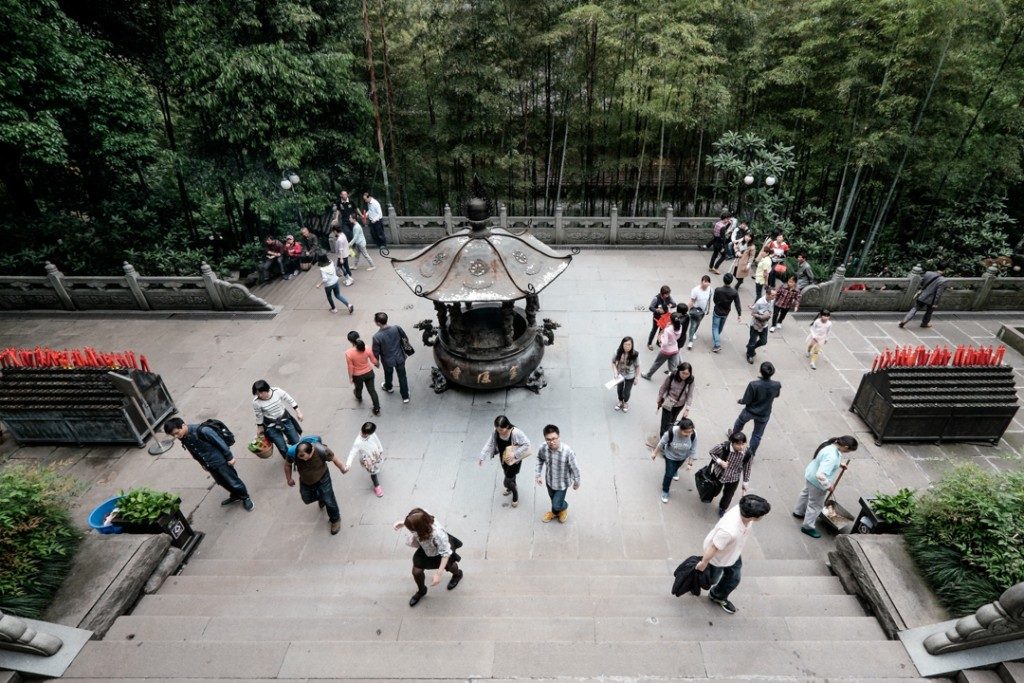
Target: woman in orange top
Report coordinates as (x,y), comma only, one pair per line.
(361,361)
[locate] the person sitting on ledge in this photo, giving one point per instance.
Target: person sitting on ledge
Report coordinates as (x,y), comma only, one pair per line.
(273,257)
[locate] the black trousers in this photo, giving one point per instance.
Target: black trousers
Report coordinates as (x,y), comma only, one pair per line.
(728,490)
(511,471)
(778,315)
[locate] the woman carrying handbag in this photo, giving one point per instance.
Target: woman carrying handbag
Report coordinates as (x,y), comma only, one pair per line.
(511,444)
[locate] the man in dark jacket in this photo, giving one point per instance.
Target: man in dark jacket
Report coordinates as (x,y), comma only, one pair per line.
(933,285)
(722,298)
(207,447)
(387,347)
(757,405)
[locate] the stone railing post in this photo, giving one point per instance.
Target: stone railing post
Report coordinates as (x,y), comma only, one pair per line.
(132,278)
(448,220)
(913,284)
(396,238)
(56,279)
(830,298)
(613,237)
(996,622)
(210,282)
(668,224)
(559,226)
(988,281)
(502,216)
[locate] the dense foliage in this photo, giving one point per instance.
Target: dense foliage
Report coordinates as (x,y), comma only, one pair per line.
(893,127)
(966,536)
(37,537)
(143,505)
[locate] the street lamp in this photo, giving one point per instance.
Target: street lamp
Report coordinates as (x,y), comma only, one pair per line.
(288,182)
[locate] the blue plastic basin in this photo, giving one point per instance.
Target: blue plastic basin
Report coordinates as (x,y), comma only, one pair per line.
(100,513)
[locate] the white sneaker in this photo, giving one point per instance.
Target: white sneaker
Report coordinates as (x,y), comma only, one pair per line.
(807,354)
(675,478)
(664,497)
(618,406)
(690,345)
(813,366)
(348,282)
(771,329)
(779,326)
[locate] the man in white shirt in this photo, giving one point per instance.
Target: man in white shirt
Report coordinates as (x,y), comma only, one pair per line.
(724,545)
(375,220)
(700,304)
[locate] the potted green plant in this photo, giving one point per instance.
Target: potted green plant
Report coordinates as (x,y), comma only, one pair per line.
(145,511)
(886,513)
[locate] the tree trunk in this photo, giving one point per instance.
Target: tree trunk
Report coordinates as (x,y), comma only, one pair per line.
(391,109)
(376,102)
(869,244)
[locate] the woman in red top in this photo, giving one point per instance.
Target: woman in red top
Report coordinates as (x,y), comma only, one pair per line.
(361,361)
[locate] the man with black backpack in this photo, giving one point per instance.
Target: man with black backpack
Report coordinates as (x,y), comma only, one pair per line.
(210,444)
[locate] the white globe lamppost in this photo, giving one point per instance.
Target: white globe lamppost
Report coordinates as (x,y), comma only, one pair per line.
(748,179)
(288,182)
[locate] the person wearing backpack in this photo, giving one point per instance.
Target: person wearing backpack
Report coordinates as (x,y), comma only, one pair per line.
(210,444)
(678,445)
(733,459)
(310,457)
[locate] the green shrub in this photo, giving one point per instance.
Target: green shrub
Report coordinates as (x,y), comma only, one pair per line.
(896,508)
(966,536)
(143,506)
(37,538)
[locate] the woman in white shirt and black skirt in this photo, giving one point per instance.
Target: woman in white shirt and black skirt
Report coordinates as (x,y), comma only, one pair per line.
(435,549)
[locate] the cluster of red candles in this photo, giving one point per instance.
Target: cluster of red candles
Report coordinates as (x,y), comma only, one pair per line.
(940,356)
(73,358)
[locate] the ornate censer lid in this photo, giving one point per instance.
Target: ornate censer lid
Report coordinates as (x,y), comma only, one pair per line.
(481,263)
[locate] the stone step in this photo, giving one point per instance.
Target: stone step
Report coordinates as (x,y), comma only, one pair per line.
(799,660)
(440,602)
(489,584)
(978,676)
(417,627)
(527,567)
(1011,672)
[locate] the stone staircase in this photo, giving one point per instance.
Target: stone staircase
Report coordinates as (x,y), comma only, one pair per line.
(252,619)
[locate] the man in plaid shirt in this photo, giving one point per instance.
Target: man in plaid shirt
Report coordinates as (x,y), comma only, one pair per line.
(562,471)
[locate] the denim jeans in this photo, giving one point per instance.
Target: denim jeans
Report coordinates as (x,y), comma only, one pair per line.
(403,380)
(335,290)
(717,323)
(671,468)
(558,499)
(694,324)
(725,579)
(282,435)
(227,477)
(323,492)
(759,424)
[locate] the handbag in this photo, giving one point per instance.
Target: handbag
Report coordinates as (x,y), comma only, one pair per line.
(780,268)
(509,455)
(406,346)
(708,484)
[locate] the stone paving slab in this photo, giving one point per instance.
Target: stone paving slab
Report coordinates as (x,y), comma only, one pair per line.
(616,517)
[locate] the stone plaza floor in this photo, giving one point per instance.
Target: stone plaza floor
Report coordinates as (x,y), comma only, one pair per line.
(432,443)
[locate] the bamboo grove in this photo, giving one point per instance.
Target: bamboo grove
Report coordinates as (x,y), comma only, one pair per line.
(893,126)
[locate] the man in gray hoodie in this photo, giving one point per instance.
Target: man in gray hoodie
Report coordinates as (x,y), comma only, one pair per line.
(933,284)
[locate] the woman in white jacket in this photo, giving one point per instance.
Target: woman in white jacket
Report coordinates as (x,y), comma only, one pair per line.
(510,444)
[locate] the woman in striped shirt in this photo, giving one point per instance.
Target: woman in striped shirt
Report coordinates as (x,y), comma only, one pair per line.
(272,417)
